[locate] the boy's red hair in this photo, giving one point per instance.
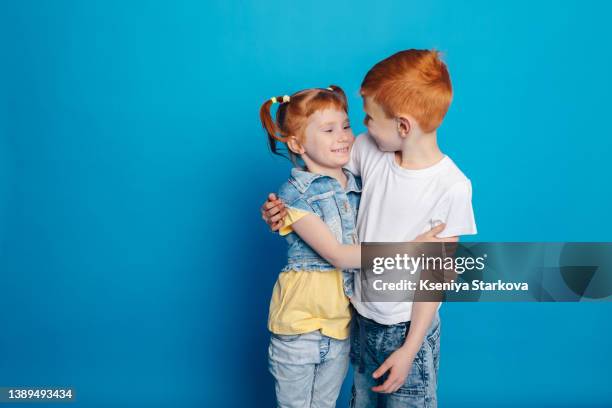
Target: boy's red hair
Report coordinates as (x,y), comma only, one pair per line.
(413,82)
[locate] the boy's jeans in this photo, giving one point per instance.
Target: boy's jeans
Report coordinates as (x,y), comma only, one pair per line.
(372,343)
(308,369)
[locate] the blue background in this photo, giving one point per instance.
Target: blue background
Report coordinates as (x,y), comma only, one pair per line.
(134,264)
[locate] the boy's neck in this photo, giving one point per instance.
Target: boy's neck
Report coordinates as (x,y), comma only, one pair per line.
(419,151)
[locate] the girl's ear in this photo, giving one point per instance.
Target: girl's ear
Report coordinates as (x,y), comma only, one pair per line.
(295,146)
(403,126)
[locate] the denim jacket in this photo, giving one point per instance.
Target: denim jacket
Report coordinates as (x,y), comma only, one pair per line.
(337,207)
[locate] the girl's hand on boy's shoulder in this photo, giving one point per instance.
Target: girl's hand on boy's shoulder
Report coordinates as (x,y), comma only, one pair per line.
(273,211)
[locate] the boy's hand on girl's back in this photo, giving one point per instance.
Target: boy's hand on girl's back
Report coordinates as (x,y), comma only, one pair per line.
(430,236)
(398,364)
(273,211)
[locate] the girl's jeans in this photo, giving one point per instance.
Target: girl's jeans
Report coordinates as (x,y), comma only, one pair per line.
(308,369)
(372,343)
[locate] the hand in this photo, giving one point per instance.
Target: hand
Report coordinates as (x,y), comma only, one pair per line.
(399,363)
(430,236)
(273,211)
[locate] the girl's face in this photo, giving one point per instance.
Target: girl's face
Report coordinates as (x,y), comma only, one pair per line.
(328,139)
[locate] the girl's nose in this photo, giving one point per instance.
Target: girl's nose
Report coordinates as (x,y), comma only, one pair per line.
(344,136)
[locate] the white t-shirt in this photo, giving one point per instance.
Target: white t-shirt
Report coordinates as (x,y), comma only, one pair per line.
(398,204)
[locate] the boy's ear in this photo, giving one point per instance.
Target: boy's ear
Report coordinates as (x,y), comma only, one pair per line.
(295,146)
(403,126)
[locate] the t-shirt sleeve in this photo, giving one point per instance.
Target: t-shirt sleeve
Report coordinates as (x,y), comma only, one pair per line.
(295,211)
(455,210)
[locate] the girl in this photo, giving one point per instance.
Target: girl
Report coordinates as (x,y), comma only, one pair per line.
(309,310)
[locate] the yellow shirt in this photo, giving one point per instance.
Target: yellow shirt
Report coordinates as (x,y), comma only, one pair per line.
(304,301)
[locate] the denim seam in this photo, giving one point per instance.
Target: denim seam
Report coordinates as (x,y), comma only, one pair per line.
(322,356)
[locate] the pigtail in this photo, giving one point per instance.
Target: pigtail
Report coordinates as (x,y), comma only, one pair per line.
(340,94)
(292,114)
(270,126)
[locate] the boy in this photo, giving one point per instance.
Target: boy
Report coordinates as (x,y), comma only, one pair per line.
(409,185)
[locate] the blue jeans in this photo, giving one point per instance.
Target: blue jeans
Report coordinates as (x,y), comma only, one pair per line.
(308,369)
(372,343)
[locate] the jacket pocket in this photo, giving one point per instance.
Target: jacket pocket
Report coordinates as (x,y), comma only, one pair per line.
(326,207)
(319,197)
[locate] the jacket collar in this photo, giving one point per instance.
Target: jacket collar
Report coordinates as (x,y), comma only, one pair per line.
(302,179)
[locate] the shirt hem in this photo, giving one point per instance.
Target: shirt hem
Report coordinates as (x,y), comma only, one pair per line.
(326,332)
(382,319)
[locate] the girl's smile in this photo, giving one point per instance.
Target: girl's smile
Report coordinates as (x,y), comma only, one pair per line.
(328,140)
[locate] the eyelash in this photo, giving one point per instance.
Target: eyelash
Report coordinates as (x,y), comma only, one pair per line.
(331,130)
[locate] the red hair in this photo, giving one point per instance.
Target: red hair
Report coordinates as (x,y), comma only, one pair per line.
(414,82)
(291,116)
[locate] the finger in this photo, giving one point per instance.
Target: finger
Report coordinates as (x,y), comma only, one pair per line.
(272,197)
(276,218)
(391,384)
(378,388)
(270,204)
(276,226)
(436,230)
(269,212)
(396,386)
(381,370)
(384,387)
(273,211)
(445,239)
(278,204)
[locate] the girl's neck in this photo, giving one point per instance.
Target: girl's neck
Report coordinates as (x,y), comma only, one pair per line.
(335,172)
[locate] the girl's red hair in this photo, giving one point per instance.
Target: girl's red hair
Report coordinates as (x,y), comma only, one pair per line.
(291,116)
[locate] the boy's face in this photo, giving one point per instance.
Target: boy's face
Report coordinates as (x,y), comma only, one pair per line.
(382,129)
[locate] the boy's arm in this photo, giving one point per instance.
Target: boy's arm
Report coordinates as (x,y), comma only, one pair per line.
(400,361)
(459,219)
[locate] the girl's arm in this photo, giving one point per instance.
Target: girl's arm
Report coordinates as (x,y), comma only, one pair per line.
(317,234)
